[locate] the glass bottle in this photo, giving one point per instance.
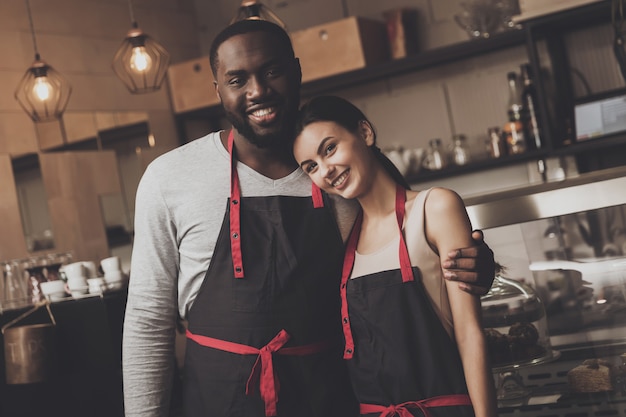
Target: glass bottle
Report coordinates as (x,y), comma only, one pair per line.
(435,158)
(496,146)
(514,134)
(530,116)
(460,152)
(515,98)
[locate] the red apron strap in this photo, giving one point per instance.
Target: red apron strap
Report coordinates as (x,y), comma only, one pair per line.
(405,261)
(316,195)
(263,368)
(235,223)
(402,410)
(348,263)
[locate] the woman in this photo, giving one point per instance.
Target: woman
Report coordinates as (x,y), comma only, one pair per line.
(397,309)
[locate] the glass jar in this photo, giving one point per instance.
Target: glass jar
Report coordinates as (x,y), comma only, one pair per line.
(435,158)
(13,293)
(515,324)
(460,151)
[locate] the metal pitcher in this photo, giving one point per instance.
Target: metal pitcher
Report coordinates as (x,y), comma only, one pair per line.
(30,350)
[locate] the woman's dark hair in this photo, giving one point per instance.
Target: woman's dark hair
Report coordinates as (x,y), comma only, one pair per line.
(347,115)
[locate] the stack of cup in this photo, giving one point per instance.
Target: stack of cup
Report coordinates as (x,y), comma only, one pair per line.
(96,285)
(53,290)
(76,274)
(113,275)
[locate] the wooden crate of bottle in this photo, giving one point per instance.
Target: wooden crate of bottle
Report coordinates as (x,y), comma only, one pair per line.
(191,85)
(340,46)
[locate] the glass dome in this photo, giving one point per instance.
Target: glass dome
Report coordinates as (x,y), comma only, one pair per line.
(516,329)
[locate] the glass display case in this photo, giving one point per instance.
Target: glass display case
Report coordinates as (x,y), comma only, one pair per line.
(555,318)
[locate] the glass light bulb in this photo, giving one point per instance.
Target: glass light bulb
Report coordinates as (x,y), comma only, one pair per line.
(42,88)
(140,61)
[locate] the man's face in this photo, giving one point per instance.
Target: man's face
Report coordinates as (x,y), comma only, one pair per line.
(259,86)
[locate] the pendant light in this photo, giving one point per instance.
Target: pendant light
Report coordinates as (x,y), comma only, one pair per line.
(43,93)
(140,62)
(255,10)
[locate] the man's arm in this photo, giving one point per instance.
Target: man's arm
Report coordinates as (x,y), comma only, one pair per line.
(151,310)
(474,266)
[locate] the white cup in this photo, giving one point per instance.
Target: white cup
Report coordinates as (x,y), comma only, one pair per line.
(91,270)
(96,285)
(113,276)
(75,270)
(53,290)
(112,264)
(77,286)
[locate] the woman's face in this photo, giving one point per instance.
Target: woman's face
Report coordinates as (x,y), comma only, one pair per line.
(337,160)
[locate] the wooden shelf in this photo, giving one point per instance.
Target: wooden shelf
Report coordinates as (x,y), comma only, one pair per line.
(472,167)
(533,31)
(418,62)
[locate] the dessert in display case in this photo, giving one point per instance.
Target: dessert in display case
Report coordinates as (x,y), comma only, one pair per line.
(555,318)
(516,331)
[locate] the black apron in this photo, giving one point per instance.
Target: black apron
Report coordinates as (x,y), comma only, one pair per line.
(400,357)
(264,334)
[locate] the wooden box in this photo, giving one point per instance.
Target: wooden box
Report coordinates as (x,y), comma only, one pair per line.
(191,85)
(340,46)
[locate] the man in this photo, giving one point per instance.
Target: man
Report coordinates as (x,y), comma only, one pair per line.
(228,236)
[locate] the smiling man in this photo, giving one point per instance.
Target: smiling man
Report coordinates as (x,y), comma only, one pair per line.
(228,236)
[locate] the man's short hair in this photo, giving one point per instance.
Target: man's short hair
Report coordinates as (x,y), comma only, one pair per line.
(247,26)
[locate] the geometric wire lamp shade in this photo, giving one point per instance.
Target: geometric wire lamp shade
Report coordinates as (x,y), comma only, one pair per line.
(141,62)
(43,93)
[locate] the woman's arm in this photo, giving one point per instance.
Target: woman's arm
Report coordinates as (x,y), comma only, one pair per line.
(448,227)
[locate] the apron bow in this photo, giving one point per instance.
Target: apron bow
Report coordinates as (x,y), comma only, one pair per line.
(402,410)
(268,384)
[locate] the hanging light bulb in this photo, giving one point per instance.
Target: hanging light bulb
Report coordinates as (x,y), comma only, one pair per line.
(255,10)
(42,88)
(43,93)
(140,62)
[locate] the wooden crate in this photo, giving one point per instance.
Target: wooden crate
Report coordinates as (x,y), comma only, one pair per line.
(340,46)
(191,85)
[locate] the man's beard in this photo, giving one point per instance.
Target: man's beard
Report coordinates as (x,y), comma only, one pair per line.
(279,140)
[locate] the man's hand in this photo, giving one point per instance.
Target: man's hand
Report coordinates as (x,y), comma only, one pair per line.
(473,267)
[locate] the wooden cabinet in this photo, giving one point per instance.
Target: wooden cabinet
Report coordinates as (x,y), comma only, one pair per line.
(340,46)
(191,85)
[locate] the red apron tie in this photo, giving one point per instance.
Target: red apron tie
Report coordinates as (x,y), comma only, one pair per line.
(402,410)
(268,380)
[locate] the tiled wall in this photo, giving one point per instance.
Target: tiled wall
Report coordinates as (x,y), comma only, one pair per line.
(79,38)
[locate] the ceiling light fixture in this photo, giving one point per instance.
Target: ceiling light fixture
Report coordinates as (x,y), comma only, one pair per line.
(43,93)
(140,62)
(255,10)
